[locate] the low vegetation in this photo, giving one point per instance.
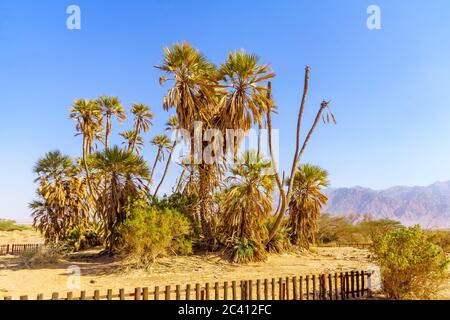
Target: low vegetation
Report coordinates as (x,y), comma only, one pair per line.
(412,266)
(11,225)
(149,232)
(345,229)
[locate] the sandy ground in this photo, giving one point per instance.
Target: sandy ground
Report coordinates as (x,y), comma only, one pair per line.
(102,273)
(105,273)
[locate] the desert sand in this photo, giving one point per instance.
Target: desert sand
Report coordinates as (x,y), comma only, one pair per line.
(102,273)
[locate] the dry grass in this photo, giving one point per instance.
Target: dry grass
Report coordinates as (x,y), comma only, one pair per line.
(20,237)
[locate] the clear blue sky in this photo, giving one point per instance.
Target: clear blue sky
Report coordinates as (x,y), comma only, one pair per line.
(390,88)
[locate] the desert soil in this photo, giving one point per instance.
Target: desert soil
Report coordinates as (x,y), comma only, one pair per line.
(102,273)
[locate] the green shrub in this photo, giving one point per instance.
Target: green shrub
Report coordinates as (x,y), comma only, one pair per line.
(10,225)
(82,240)
(412,267)
(149,233)
(281,242)
(245,251)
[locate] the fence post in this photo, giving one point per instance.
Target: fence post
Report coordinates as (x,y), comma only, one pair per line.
(258,289)
(137,293)
(177,292)
(294,288)
(357,284)
(266,289)
(352,273)
(225,290)
(197,291)
(307,287)
(167,295)
(216,291)
(347,285)
(336,294)
(157,293)
(301,287)
(314,286)
(188,292)
(207,291)
(273,288)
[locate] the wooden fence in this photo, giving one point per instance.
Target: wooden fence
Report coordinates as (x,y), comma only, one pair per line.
(15,249)
(337,286)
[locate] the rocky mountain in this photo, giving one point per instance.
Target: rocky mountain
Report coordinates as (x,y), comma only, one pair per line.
(428,206)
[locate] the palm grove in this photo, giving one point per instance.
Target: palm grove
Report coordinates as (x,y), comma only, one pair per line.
(109,195)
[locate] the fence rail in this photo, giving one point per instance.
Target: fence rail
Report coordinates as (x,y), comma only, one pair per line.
(337,286)
(15,249)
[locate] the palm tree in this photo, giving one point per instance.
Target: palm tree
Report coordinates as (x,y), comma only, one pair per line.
(247,202)
(306,203)
(162,142)
(194,83)
(131,137)
(195,97)
(246,101)
(112,107)
(171,125)
(142,121)
(88,115)
(63,203)
(125,174)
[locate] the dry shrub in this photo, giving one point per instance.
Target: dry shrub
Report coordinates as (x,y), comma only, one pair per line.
(48,254)
(149,233)
(412,267)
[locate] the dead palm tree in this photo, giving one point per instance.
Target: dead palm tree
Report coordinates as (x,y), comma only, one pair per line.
(171,125)
(162,143)
(306,203)
(125,175)
(112,107)
(142,121)
(247,203)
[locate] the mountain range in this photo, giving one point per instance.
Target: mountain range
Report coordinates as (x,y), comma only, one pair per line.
(428,206)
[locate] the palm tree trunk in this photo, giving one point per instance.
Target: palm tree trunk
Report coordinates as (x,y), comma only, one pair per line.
(156,162)
(296,160)
(323,105)
(259,140)
(136,133)
(296,154)
(278,181)
(86,167)
(166,168)
(180,180)
(108,130)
